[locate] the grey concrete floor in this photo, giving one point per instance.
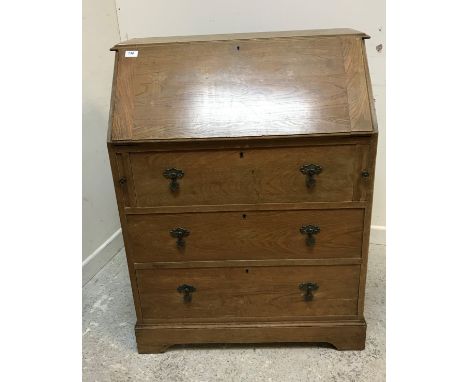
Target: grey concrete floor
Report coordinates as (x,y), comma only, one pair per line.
(109,349)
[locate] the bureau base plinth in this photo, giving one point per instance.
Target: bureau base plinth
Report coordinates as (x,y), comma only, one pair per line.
(342,335)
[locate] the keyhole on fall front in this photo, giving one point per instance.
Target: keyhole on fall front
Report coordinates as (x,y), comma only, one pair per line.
(244,216)
(246,271)
(241,154)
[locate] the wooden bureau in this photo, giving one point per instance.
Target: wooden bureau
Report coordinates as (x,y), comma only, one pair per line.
(243,167)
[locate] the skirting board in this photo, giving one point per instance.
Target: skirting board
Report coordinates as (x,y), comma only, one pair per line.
(101,256)
(378,234)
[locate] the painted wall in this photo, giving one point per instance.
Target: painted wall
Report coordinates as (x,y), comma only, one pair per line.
(100,217)
(145,18)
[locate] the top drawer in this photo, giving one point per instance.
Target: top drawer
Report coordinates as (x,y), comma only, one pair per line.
(262,175)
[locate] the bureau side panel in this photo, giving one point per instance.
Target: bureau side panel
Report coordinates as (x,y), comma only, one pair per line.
(116,162)
(367,224)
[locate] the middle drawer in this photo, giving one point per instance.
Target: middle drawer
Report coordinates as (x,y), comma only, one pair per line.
(251,235)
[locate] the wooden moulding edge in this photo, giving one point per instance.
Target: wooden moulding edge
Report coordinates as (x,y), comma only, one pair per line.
(248,263)
(232,37)
(279,324)
(251,141)
(212,208)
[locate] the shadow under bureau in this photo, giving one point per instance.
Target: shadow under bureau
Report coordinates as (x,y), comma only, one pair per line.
(243,167)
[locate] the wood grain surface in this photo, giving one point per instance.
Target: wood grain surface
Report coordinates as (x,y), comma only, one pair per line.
(248,263)
(246,176)
(243,236)
(243,207)
(270,293)
(356,84)
(344,335)
(256,87)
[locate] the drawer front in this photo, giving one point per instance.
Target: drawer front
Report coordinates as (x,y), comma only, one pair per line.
(245,177)
(267,293)
(250,235)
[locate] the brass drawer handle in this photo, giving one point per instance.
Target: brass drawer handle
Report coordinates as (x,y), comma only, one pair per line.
(179,233)
(310,170)
(173,174)
(309,230)
(308,288)
(187,290)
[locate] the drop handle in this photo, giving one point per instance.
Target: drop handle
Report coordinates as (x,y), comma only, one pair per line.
(187,291)
(310,170)
(180,233)
(173,175)
(310,231)
(308,288)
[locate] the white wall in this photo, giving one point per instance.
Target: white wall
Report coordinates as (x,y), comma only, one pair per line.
(145,18)
(101,238)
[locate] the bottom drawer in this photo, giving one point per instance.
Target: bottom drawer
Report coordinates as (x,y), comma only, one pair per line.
(258,292)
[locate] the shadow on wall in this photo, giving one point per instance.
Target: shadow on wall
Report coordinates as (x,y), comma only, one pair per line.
(100,217)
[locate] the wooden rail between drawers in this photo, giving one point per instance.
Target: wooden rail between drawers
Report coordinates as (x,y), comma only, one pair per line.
(243,207)
(246,263)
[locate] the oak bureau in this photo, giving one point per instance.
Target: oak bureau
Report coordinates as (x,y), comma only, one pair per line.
(243,167)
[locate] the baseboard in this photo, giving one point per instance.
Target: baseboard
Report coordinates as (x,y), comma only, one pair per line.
(378,234)
(101,256)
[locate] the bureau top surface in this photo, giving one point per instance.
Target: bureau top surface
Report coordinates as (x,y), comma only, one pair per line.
(241,85)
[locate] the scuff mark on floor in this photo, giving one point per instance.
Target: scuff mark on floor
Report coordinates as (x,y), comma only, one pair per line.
(99,304)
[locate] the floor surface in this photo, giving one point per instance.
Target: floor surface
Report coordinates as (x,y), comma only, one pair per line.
(109,349)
